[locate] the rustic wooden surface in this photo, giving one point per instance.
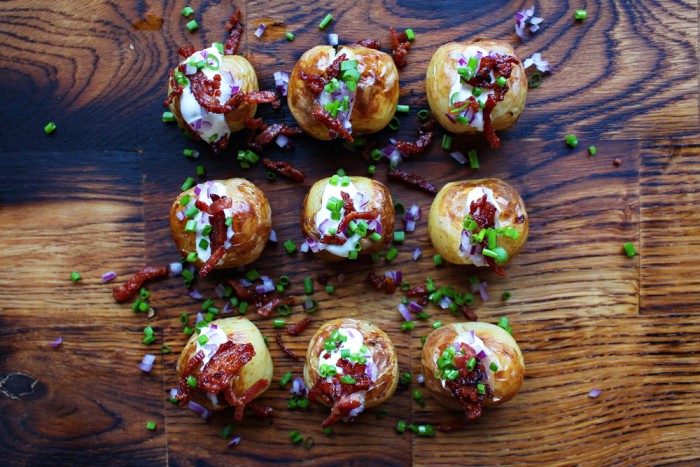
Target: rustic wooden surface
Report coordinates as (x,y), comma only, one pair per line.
(95,195)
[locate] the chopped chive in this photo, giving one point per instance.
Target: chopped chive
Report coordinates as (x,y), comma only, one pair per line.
(446,142)
(401,426)
(352,254)
(592,150)
(188,330)
(242,308)
(192,25)
(418,397)
(501,81)
(347,379)
(423,114)
(399,236)
(192,381)
(376,154)
(187,11)
(571,141)
(200,170)
(402,108)
(481,388)
(535,80)
(229,221)
(506,295)
(286,379)
(226,432)
(330,289)
(271,176)
(192,257)
(149,340)
(391,254)
(151,425)
(437,260)
(580,15)
(473,159)
(493,366)
(252,275)
(75,276)
(290,247)
(168,117)
(394,124)
(325,21)
(49,128)
(189,181)
(289,36)
(191,226)
(184,318)
(144,294)
(308,285)
(629,249)
(437,324)
(278,323)
(410,35)
(203,339)
(371,169)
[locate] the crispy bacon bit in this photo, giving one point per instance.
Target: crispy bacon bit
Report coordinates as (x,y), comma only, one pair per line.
(369,43)
(241,291)
(333,69)
(253,123)
(298,328)
(344,406)
(351,216)
(217,237)
(399,47)
(489,132)
(240,402)
(452,426)
(125,291)
(260,411)
(323,278)
(265,309)
(413,180)
(483,212)
(314,81)
(417,291)
(382,282)
(617,161)
(278,338)
(469,313)
(286,169)
(409,149)
(204,91)
(332,123)
(348,205)
(464,387)
(329,239)
(177,88)
(235,30)
(228,359)
(183,394)
(212,261)
(496,268)
(345,397)
(428,125)
(270,132)
(187,51)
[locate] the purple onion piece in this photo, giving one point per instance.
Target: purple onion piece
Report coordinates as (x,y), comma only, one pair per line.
(403,309)
(220,290)
(175,269)
(416,254)
(228,308)
(594,393)
(410,226)
(180,215)
(273,236)
(57,342)
(200,318)
(108,276)
(415,307)
(234,442)
(194,293)
(199,410)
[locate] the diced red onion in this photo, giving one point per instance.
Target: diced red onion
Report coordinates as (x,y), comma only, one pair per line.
(371,370)
(282,140)
(245,282)
(108,276)
(307,304)
(445,302)
(197,190)
(299,387)
(180,215)
(459,157)
(214,326)
(416,254)
(199,410)
(173,392)
(481,354)
(260,31)
(525,17)
(420,379)
(594,393)
(536,59)
(341,277)
(273,236)
(282,82)
(395,276)
(57,342)
(313,245)
(175,269)
(267,286)
(412,214)
(403,309)
(200,317)
(220,290)
(194,293)
(482,291)
(147,362)
(388,150)
(465,245)
(304,248)
(234,442)
(228,308)
(450,117)
(410,226)
(333,39)
(323,226)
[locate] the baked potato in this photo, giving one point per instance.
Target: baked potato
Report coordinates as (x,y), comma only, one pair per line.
(476,86)
(204,235)
(370,107)
(230,366)
(498,365)
(479,222)
(350,365)
(368,204)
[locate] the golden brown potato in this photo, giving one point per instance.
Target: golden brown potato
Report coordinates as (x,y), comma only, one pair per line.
(453,203)
(237,74)
(379,374)
(245,238)
(498,345)
(375,100)
(369,196)
(442,81)
(237,330)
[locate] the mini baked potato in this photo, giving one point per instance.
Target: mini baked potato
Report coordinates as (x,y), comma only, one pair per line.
(199,224)
(476,86)
(326,216)
(462,210)
(498,365)
(231,367)
(369,109)
(350,365)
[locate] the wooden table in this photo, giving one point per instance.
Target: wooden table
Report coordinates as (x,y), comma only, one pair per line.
(94,197)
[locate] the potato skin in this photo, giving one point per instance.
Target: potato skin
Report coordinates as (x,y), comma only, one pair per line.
(252,224)
(241,331)
(380,201)
(442,73)
(241,69)
(375,100)
(505,353)
(380,346)
(446,219)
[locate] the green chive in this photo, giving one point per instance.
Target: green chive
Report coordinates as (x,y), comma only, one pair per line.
(187,11)
(473,159)
(326,21)
(289,36)
(437,324)
(535,80)
(391,254)
(271,176)
(394,124)
(401,426)
(501,81)
(410,35)
(192,25)
(151,425)
(189,181)
(571,141)
(402,108)
(229,221)
(629,249)
(580,15)
(437,260)
(243,308)
(252,275)
(192,257)
(347,379)
(399,236)
(446,142)
(144,294)
(480,388)
(168,117)
(49,128)
(506,295)
(191,226)
(592,150)
(200,170)
(278,323)
(375,236)
(493,366)
(284,280)
(188,330)
(308,443)
(149,340)
(75,276)
(471,364)
(371,169)
(192,381)
(330,289)
(376,154)
(290,247)
(285,379)
(503,322)
(308,285)
(423,114)
(184,318)
(203,339)
(226,432)
(418,397)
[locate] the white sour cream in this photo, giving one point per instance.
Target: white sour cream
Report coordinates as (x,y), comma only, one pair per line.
(464,90)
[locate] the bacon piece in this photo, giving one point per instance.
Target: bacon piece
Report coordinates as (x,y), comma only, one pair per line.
(212,261)
(332,123)
(241,291)
(483,213)
(260,411)
(278,338)
(240,402)
(409,149)
(413,180)
(299,327)
(235,30)
(223,366)
(489,132)
(333,69)
(382,282)
(217,237)
(369,43)
(351,216)
(125,291)
(253,123)
(270,132)
(314,81)
(496,268)
(348,205)
(177,89)
(464,388)
(344,397)
(452,426)
(399,47)
(183,388)
(428,125)
(286,169)
(469,313)
(329,239)
(323,278)
(343,407)
(417,291)
(187,50)
(204,91)
(266,309)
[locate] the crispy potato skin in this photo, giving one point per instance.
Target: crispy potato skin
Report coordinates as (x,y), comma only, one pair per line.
(252,224)
(375,100)
(446,219)
(504,352)
(239,330)
(241,69)
(380,346)
(380,201)
(442,74)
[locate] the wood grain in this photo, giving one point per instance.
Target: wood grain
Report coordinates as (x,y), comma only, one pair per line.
(95,195)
